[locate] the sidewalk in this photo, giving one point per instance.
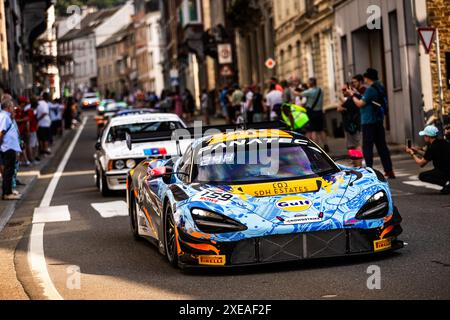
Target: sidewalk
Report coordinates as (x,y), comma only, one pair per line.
(28,176)
(12,230)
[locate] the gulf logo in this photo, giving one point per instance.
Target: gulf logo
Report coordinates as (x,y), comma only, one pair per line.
(294,204)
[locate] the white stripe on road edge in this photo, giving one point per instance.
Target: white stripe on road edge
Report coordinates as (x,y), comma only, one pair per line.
(111,209)
(36,256)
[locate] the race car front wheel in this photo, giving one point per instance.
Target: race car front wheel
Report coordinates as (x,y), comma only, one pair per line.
(132,210)
(170,237)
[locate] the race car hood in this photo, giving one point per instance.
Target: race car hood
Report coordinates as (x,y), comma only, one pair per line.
(297,202)
(119,149)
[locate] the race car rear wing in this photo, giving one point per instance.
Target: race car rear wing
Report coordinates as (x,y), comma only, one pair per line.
(196,132)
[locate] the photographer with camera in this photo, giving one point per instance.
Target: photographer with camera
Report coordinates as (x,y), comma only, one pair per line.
(437,151)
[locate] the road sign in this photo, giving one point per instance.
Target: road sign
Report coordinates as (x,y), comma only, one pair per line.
(225,53)
(427,37)
(226,71)
(270,63)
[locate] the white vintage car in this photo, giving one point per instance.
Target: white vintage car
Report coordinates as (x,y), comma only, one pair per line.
(115,156)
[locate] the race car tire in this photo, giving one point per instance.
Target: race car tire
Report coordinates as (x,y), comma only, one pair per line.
(132,210)
(170,244)
(103,185)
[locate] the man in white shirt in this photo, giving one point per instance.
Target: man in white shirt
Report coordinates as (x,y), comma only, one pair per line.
(44,123)
(10,146)
(274,100)
(56,110)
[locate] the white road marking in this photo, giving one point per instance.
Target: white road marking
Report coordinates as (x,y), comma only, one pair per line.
(423,184)
(51,214)
(111,209)
(36,255)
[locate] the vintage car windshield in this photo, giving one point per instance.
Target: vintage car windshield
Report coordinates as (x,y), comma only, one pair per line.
(118,133)
(286,161)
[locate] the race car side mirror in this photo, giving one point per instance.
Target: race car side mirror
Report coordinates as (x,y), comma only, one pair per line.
(98,145)
(162,172)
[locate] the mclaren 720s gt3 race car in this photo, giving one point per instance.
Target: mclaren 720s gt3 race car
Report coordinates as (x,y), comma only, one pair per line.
(259,196)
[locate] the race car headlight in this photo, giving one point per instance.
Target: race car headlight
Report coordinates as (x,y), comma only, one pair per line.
(210,222)
(119,164)
(130,163)
(375,208)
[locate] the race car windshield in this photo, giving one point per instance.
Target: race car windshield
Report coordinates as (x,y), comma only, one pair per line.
(118,133)
(245,166)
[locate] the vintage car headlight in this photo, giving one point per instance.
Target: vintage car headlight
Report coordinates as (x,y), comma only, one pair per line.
(210,222)
(130,163)
(375,208)
(119,164)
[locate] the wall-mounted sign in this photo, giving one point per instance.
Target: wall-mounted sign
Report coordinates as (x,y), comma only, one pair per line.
(225,53)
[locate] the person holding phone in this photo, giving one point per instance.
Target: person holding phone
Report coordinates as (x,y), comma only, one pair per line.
(437,151)
(351,120)
(372,119)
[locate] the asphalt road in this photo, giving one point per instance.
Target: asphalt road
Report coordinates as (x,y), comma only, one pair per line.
(115,266)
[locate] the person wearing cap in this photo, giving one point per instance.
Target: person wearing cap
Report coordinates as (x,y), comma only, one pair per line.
(438,151)
(373,132)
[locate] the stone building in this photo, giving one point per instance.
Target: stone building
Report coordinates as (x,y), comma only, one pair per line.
(439,17)
(116,63)
(305,48)
(148,46)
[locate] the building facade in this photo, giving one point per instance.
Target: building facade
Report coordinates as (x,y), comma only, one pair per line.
(24,22)
(4,65)
(255,36)
(78,46)
(148,46)
(383,35)
(48,50)
(116,62)
(439,17)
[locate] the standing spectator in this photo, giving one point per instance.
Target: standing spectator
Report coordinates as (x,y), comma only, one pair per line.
(258,107)
(274,100)
(236,100)
(177,102)
(351,120)
(314,103)
(10,146)
(188,105)
(247,111)
(287,93)
(438,151)
(372,118)
(68,113)
(231,112)
(23,123)
(30,109)
(204,98)
(56,113)
(299,99)
(44,123)
(274,81)
(223,101)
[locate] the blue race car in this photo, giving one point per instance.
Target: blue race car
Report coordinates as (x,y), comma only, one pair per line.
(259,196)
